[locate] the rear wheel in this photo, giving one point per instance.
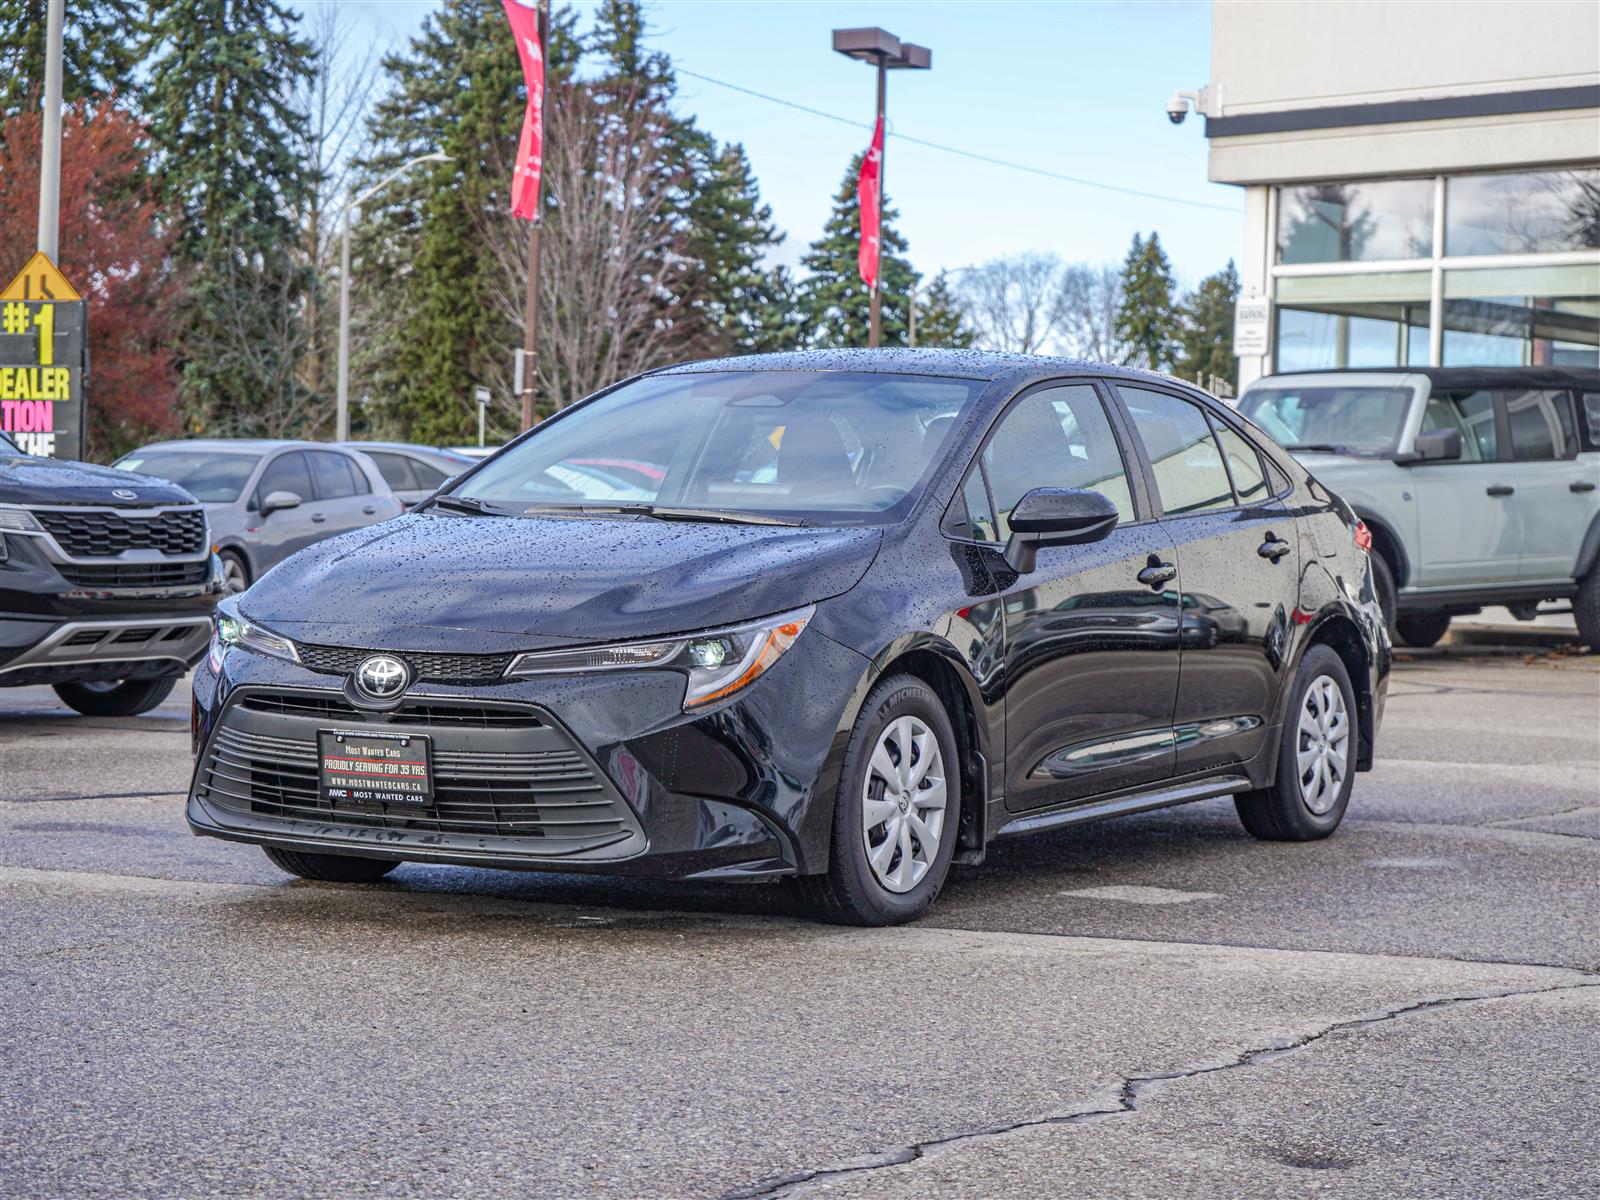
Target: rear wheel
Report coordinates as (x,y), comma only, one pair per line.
(1423,629)
(897,812)
(1316,757)
(329,868)
(1586,609)
(116,698)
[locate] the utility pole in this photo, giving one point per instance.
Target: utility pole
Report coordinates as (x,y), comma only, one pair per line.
(50,144)
(911,318)
(529,374)
(886,52)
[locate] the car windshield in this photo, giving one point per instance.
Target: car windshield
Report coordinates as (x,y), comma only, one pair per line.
(1362,419)
(8,445)
(817,447)
(211,476)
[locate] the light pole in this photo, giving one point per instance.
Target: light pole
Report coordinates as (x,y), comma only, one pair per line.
(352,214)
(887,53)
(50,143)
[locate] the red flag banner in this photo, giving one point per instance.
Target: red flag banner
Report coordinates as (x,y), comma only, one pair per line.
(869,198)
(524,18)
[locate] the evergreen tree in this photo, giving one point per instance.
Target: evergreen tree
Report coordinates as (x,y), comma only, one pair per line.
(834,304)
(222,73)
(941,319)
(1147,319)
(99,51)
(730,230)
(1206,336)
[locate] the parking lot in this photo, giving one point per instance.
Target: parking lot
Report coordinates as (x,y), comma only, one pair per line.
(1156,1005)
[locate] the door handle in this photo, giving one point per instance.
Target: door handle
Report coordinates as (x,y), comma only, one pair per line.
(318,518)
(1273,548)
(369,509)
(1582,485)
(1499,489)
(1157,573)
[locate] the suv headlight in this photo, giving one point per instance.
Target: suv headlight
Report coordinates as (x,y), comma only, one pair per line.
(234,630)
(718,662)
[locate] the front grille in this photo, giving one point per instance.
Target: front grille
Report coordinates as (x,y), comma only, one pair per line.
(529,782)
(120,575)
(433,714)
(99,533)
(428,668)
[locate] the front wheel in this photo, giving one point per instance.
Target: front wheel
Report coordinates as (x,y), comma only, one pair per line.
(329,868)
(117,698)
(897,813)
(1316,757)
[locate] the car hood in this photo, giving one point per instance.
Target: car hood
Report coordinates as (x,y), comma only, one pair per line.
(430,581)
(25,479)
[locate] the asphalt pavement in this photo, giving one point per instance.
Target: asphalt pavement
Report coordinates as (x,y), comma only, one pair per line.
(1158,1006)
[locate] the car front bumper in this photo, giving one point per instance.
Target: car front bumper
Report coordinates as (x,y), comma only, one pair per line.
(599,773)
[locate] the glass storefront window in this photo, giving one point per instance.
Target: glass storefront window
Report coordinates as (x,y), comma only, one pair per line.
(1523,316)
(1377,320)
(1531,212)
(1355,222)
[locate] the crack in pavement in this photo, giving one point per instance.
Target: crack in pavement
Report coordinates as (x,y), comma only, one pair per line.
(96,796)
(1125,1097)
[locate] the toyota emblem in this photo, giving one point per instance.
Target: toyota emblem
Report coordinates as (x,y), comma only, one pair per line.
(382,677)
(125,493)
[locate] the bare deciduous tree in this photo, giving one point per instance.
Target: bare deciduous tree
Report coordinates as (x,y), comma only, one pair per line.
(1014,303)
(1088,299)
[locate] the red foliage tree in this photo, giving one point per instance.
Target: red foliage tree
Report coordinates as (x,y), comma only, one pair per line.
(115,249)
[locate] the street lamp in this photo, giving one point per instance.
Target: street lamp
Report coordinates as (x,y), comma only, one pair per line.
(887,53)
(352,214)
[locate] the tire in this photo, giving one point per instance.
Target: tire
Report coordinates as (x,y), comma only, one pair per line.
(235,574)
(1383,584)
(1422,629)
(329,868)
(879,886)
(1292,809)
(124,698)
(1586,609)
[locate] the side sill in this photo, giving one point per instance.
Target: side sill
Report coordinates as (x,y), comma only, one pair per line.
(1121,806)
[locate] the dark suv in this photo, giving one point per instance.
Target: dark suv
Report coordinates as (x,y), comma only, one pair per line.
(874,610)
(107,582)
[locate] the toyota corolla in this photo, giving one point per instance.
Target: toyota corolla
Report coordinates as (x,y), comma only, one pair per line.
(868,612)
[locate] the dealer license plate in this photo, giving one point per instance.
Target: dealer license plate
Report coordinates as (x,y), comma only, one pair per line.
(362,767)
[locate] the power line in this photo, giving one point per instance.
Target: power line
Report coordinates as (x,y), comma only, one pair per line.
(998,162)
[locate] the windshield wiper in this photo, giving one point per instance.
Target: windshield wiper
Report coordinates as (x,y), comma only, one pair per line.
(665,512)
(466,504)
(1324,447)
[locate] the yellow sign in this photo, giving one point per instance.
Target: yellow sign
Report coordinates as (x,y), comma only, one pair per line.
(40,280)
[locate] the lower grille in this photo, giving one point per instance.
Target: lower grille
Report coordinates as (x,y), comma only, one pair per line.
(129,575)
(528,782)
(331,706)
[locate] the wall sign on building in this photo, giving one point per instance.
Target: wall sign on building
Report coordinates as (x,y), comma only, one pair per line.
(43,362)
(1252,325)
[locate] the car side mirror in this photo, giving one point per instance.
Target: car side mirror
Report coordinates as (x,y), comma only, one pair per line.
(1056,517)
(1436,445)
(276,500)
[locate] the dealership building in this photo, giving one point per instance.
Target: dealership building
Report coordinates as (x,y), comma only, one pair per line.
(1421,180)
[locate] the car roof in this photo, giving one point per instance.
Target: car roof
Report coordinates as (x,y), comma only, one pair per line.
(1462,377)
(406,447)
(258,445)
(962,364)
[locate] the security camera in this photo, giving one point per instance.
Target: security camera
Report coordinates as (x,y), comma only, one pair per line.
(1177,108)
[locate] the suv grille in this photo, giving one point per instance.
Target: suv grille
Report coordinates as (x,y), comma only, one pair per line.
(429,668)
(98,533)
(163,574)
(526,783)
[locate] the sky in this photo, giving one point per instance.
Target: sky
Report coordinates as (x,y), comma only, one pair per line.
(1072,88)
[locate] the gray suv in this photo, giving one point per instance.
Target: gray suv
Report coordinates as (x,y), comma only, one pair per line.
(1479,484)
(267,499)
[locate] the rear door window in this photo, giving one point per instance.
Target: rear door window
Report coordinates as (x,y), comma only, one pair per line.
(1542,424)
(1190,476)
(396,469)
(1244,466)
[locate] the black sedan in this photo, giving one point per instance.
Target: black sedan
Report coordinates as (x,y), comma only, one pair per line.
(874,610)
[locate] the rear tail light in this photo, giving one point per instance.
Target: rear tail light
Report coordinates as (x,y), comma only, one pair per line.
(1363,536)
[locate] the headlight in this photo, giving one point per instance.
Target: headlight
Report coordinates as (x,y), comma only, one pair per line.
(234,630)
(718,662)
(19,520)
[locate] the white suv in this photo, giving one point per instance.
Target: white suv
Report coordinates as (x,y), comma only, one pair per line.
(1481,485)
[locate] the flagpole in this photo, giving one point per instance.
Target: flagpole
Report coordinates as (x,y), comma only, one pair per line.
(530,328)
(875,334)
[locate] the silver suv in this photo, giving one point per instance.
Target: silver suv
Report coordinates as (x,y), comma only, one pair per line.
(1479,484)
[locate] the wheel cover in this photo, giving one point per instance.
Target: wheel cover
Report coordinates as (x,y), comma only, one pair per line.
(1322,750)
(903,804)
